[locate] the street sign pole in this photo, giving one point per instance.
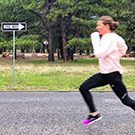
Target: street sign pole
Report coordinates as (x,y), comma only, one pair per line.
(13,58)
(13,26)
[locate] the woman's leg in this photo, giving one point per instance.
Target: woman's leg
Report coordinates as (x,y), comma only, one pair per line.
(129,102)
(115,81)
(92,82)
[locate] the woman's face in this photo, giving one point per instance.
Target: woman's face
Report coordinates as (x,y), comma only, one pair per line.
(101,28)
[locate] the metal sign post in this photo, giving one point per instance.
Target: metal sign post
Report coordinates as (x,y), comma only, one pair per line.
(13,58)
(13,26)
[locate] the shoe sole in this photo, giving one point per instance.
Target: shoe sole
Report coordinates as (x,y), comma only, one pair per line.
(95,120)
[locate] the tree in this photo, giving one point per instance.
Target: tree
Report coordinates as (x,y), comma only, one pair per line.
(61,13)
(81,43)
(9,15)
(29,43)
(41,9)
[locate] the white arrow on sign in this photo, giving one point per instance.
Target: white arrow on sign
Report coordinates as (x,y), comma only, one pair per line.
(20,26)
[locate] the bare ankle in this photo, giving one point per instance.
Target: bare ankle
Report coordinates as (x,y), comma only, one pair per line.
(94,113)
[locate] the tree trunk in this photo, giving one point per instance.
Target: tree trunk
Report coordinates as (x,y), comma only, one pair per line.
(130,47)
(27,49)
(58,52)
(22,50)
(37,50)
(80,52)
(61,48)
(43,48)
(50,32)
(51,45)
(64,40)
(87,52)
(4,49)
(0,50)
(70,53)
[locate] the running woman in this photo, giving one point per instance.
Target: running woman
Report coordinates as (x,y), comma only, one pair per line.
(108,50)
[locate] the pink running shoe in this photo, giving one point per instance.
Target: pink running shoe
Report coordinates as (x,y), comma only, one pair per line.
(91,119)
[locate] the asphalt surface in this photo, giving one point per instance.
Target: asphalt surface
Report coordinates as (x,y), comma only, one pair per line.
(60,113)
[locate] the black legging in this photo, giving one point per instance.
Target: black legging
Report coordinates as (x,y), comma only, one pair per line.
(115,81)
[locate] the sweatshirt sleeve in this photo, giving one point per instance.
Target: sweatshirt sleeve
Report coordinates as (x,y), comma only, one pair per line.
(122,47)
(102,47)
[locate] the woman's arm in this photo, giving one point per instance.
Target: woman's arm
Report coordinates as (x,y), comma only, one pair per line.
(102,47)
(122,47)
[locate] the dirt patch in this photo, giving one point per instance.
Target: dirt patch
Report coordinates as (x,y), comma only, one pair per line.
(41,56)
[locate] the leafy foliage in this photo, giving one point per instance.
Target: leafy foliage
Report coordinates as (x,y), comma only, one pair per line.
(30,4)
(81,43)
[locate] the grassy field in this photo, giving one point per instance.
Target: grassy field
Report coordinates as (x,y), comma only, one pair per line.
(40,75)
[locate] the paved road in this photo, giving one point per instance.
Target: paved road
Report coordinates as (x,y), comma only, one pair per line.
(60,113)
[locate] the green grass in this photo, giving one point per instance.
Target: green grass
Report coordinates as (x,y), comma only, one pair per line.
(58,75)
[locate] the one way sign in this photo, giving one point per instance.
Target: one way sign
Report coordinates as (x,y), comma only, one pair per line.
(13,26)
